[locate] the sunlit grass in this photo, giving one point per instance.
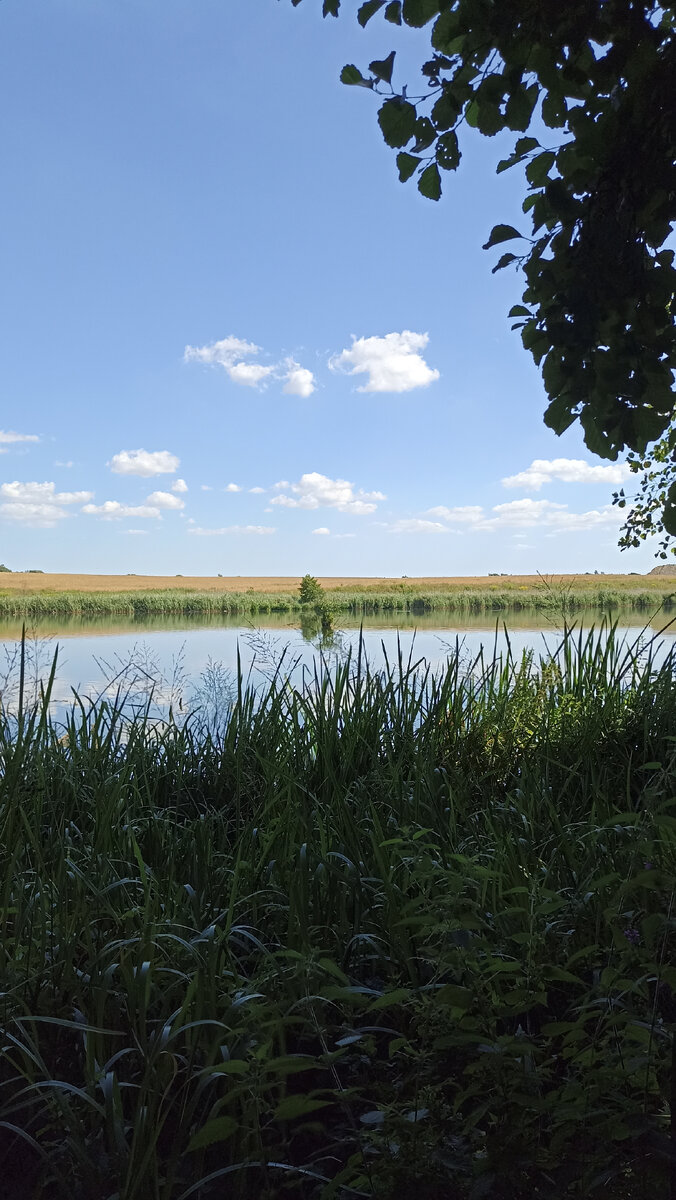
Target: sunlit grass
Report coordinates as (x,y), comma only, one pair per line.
(406,599)
(384,930)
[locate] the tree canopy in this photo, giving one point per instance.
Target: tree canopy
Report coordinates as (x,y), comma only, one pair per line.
(589,88)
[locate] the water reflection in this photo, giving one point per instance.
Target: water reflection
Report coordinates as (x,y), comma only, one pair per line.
(186,661)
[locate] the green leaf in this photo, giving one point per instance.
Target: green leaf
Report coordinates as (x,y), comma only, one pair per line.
(353,77)
(368,10)
(537,171)
(407,164)
(330,8)
(382,67)
(418,12)
(554,110)
(558,415)
(425,134)
(472,114)
(519,107)
(501,233)
(297,1106)
(503,261)
(446,110)
(448,151)
(393,12)
(519,310)
(398,996)
(429,184)
(217,1130)
(397,119)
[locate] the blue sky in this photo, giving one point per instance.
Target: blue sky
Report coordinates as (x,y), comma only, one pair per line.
(232,341)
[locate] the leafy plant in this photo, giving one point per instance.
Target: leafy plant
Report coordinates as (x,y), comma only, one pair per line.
(310,590)
(587,87)
(379,930)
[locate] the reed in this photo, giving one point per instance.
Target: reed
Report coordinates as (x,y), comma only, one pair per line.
(565,601)
(383,930)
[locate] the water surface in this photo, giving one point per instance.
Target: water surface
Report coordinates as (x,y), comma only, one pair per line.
(179,656)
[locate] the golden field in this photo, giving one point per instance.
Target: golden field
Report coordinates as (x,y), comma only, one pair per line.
(28,583)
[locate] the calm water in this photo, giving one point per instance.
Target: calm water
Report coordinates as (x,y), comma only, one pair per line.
(180,657)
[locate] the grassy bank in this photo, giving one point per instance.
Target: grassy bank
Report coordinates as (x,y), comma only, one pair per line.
(494,599)
(384,932)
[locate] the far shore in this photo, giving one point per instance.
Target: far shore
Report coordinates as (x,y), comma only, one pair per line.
(34,583)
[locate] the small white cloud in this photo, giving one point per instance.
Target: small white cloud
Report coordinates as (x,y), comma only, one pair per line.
(165,500)
(8,438)
(254,530)
(144,463)
(523,512)
(465,514)
(112,510)
(567,522)
(299,380)
(318,491)
(232,487)
(416,525)
(340,536)
(179,486)
(206,487)
(322,531)
(249,374)
(37,504)
(137,532)
(256,491)
(567,470)
(393,363)
(232,354)
(65,465)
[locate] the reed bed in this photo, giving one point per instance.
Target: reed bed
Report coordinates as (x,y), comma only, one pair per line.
(384,930)
(405,600)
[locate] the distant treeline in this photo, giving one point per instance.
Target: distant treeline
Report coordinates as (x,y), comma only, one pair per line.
(157,603)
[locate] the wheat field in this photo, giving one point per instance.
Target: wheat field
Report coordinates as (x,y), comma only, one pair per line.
(31,583)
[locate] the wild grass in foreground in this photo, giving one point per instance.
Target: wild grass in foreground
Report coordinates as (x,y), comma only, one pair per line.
(564,601)
(385,931)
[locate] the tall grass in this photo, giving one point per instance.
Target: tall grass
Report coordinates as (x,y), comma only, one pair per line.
(385,930)
(499,599)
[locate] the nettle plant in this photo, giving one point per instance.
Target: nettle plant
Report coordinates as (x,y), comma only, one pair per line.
(588,87)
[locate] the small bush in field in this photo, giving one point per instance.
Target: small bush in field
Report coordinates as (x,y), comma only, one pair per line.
(310,590)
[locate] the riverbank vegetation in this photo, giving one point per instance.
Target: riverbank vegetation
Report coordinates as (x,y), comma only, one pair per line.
(498,597)
(376,932)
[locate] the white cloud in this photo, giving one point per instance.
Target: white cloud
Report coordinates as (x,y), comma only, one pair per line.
(299,380)
(111,510)
(528,514)
(232,487)
(144,463)
(66,465)
(206,487)
(141,532)
(255,530)
(567,470)
(37,504)
(9,438)
(393,363)
(466,514)
(415,525)
(322,531)
(522,513)
(318,491)
(256,491)
(231,353)
(179,486)
(567,522)
(165,500)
